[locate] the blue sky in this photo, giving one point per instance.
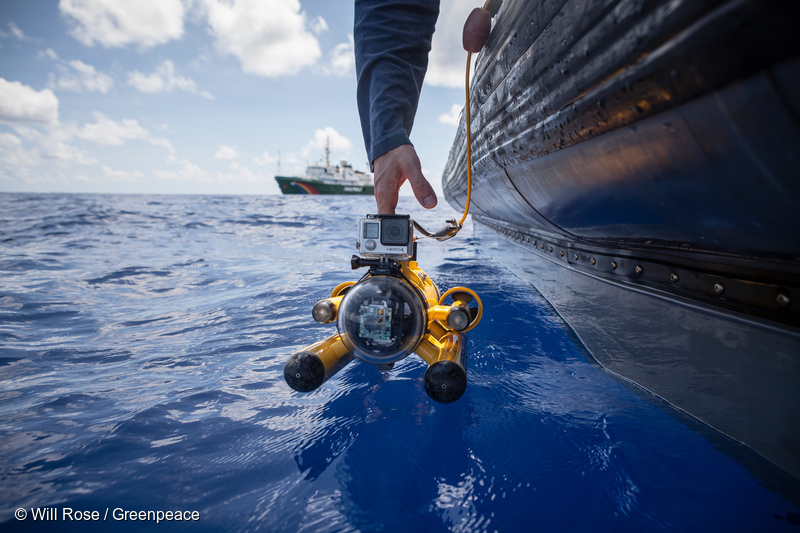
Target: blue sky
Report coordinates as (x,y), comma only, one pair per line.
(195,96)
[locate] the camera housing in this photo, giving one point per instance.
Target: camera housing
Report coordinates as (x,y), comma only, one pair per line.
(389,236)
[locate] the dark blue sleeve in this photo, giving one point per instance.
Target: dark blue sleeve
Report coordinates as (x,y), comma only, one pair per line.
(392,41)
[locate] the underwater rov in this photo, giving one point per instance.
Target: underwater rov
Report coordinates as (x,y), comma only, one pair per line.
(391,312)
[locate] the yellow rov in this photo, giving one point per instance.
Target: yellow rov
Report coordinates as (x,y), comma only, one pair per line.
(391,312)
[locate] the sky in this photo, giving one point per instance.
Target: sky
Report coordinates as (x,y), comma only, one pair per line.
(196,96)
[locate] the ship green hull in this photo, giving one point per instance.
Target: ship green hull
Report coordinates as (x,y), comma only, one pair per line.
(301,186)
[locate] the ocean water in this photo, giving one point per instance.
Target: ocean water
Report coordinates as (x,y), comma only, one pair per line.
(142,343)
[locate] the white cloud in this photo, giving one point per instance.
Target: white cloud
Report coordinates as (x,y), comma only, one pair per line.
(343,59)
(52,147)
(318,25)
(112,133)
(187,172)
(30,152)
(164,79)
(226,152)
(239,173)
(20,103)
(338,142)
(164,143)
(448,60)
(16,32)
(14,158)
(52,144)
(121,176)
(265,159)
(269,37)
(113,23)
(109,132)
(451,117)
(78,77)
(10,141)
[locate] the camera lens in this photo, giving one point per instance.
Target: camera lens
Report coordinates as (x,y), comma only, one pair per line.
(394,231)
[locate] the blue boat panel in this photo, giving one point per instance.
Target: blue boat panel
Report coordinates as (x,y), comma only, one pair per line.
(736,374)
(717,174)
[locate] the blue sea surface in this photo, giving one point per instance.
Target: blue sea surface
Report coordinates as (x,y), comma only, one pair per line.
(142,343)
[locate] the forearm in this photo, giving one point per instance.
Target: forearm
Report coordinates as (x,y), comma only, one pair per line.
(392,42)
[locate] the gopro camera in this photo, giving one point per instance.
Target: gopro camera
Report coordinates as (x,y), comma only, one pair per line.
(386,236)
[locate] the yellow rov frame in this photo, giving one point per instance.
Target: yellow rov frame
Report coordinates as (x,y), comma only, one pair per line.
(439,338)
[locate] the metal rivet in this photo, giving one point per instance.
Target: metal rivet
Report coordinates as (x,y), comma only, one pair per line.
(551,249)
(542,246)
(534,242)
(783,300)
(576,257)
(593,261)
(638,270)
(673,278)
(719,289)
(614,265)
(562,253)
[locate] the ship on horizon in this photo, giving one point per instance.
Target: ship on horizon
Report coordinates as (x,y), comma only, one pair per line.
(328,179)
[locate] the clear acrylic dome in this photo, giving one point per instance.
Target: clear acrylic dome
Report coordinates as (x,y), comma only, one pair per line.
(381,319)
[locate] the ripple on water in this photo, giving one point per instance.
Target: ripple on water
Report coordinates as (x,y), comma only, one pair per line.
(143,343)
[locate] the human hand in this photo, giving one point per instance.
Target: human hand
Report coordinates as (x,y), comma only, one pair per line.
(392,169)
